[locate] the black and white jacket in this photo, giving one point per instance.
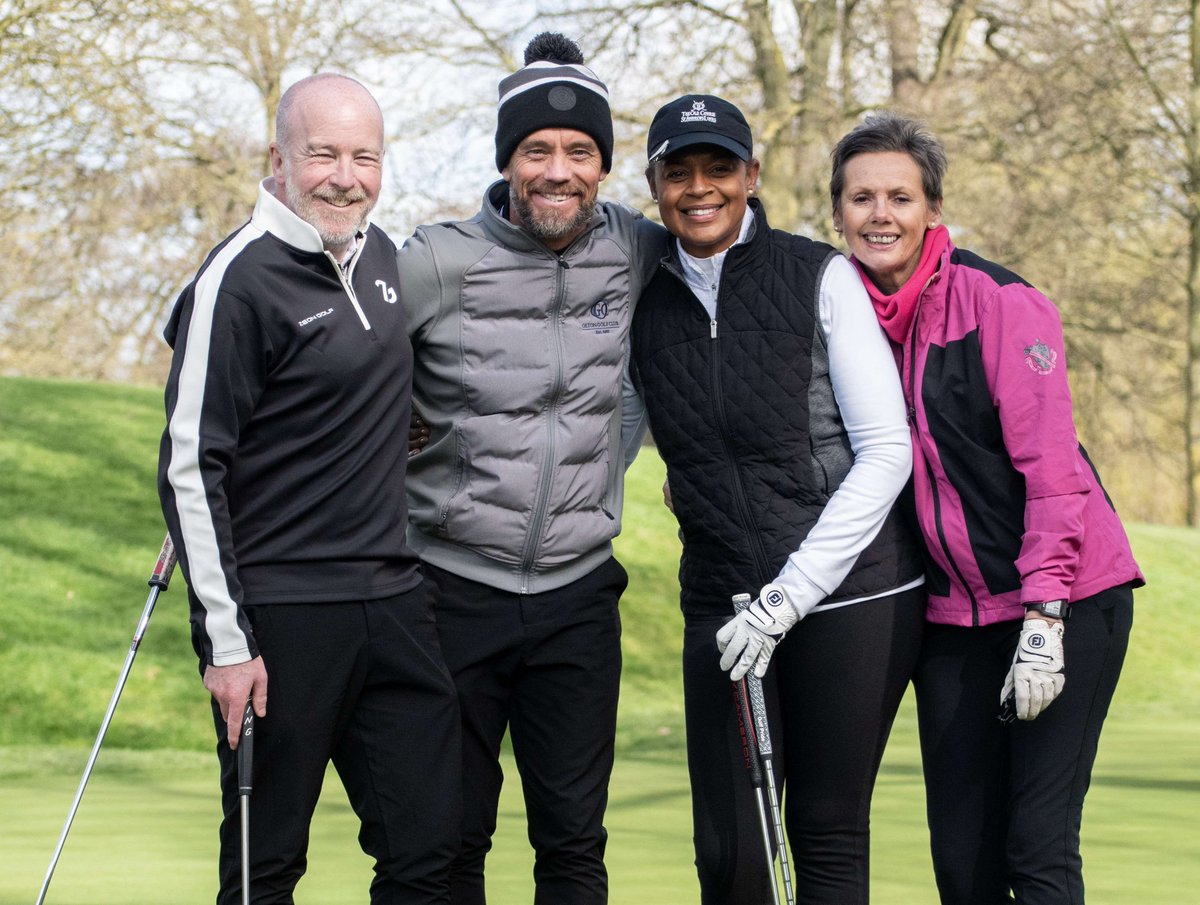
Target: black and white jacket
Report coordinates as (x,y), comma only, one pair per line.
(282,466)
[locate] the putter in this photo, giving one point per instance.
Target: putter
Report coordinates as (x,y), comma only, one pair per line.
(160,578)
(245,763)
(762,735)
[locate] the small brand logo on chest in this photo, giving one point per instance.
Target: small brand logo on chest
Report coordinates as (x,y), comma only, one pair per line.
(320,314)
(597,319)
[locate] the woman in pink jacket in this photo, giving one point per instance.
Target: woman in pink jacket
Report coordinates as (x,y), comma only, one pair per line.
(1029,572)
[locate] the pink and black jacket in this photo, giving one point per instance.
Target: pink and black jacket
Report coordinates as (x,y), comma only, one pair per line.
(1011,509)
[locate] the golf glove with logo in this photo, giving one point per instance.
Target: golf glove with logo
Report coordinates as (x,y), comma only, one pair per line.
(1036,676)
(749,638)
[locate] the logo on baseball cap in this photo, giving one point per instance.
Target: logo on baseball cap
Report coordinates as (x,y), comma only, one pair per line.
(698,119)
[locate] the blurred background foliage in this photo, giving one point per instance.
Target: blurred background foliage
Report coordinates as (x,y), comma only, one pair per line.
(132,135)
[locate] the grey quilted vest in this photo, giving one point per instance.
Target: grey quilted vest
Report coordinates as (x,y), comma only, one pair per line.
(519,357)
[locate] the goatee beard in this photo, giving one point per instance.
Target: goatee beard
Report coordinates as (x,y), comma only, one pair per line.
(548,226)
(335,235)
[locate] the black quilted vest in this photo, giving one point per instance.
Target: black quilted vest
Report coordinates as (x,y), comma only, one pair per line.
(743,414)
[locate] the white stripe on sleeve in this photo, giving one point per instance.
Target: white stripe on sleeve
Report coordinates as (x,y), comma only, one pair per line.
(208,579)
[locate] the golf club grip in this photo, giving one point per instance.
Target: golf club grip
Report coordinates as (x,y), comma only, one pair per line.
(746,729)
(758,705)
(161,576)
(245,751)
(758,708)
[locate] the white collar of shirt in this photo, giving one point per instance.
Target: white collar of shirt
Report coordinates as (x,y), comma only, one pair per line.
(703,275)
(348,257)
(273,216)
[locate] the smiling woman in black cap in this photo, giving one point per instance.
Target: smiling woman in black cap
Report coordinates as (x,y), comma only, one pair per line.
(775,404)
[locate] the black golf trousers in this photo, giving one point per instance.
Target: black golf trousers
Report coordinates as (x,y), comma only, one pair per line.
(547,667)
(832,691)
(1005,802)
(364,685)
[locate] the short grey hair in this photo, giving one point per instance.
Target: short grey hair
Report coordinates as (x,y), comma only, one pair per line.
(885,131)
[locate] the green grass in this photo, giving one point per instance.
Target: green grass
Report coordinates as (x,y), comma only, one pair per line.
(79,531)
(146,832)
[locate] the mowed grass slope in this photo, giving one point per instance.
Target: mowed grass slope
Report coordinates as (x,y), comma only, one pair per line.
(79,532)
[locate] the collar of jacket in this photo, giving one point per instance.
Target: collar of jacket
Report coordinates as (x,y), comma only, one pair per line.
(750,251)
(937,287)
(516,237)
(273,216)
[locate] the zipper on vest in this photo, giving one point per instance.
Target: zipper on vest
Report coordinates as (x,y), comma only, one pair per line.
(933,489)
(739,492)
(542,503)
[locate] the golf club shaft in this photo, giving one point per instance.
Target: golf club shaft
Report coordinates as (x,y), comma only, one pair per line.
(784,867)
(160,578)
(245,762)
(245,853)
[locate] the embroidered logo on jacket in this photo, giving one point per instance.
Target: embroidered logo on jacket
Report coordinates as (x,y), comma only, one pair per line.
(1040,357)
(389,294)
(309,320)
(600,322)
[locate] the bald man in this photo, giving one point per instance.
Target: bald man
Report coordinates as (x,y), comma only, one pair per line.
(282,475)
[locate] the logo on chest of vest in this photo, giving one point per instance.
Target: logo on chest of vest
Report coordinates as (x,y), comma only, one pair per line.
(1040,357)
(598,321)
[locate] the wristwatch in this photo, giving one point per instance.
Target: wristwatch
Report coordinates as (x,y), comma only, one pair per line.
(1055,609)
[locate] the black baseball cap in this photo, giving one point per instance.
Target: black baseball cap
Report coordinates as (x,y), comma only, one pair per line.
(698,119)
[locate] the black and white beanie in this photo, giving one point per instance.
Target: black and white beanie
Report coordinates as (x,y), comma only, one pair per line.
(553,90)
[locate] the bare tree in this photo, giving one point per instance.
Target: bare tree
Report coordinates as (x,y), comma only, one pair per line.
(133,135)
(137,132)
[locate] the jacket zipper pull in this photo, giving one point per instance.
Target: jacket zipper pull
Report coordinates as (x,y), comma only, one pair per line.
(712,329)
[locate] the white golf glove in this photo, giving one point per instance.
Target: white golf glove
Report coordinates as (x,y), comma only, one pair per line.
(749,638)
(1036,676)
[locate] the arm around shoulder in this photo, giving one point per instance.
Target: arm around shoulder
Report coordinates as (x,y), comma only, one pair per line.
(867,391)
(420,283)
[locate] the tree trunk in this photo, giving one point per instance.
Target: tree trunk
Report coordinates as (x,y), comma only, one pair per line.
(778,119)
(904,38)
(1191,416)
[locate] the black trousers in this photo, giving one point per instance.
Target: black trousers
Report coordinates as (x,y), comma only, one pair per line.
(832,692)
(548,668)
(364,685)
(1005,802)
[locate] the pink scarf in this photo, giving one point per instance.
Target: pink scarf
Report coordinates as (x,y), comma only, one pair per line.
(895,312)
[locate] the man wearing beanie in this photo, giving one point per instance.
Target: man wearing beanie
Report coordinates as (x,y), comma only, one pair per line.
(519,319)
